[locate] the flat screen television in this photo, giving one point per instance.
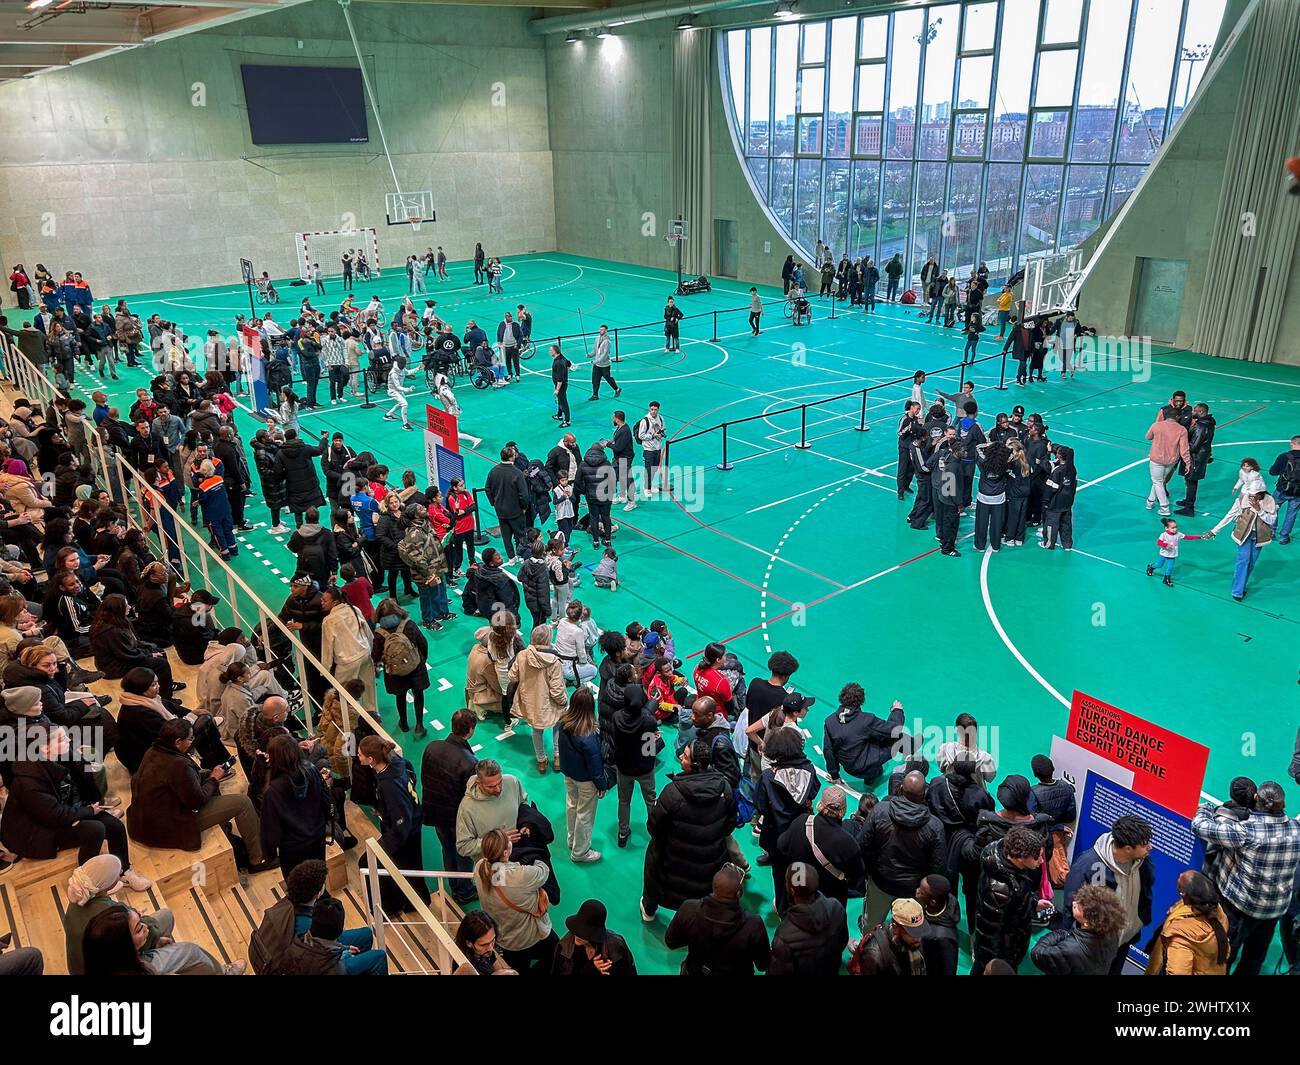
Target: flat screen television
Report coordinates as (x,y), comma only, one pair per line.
(305,105)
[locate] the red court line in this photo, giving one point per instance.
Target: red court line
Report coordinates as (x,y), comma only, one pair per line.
(706,562)
(805,606)
(1239,417)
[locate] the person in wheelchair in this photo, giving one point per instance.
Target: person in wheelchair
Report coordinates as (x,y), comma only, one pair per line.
(442,351)
(362,267)
(801,309)
(265,290)
(481,363)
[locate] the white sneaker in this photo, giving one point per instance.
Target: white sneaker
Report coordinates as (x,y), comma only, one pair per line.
(135,881)
(1151,504)
(630,506)
(277,530)
(590,856)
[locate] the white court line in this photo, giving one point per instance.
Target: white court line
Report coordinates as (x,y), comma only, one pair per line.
(1220,373)
(1108,476)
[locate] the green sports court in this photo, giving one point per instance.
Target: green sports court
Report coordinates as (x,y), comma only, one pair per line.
(1132,161)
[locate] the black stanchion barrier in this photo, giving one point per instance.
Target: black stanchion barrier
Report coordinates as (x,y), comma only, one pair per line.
(1002,373)
(616,356)
(802,408)
(480,536)
(715,327)
(832,303)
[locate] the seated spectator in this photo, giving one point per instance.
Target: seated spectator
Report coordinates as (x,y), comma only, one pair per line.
(155,620)
(142,713)
(115,943)
(317,952)
(39,667)
(172,802)
(54,804)
(90,892)
(70,608)
(305,887)
(860,742)
(116,649)
(193,629)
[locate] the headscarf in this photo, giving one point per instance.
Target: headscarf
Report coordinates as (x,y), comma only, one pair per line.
(1013,794)
(97,877)
(17,467)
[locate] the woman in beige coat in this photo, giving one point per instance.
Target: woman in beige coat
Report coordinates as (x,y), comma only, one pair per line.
(541,696)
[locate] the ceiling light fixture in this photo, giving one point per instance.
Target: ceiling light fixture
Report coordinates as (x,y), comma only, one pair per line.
(36,5)
(604,33)
(686,23)
(573,38)
(785,11)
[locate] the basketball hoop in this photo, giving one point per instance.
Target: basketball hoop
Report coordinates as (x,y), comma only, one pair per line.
(414,220)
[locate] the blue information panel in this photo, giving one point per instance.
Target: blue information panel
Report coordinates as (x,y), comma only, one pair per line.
(450,465)
(1175,846)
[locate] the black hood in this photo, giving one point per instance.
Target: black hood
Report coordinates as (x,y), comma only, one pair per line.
(905,813)
(815,917)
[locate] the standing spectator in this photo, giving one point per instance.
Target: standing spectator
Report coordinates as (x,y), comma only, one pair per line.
(672,319)
(650,433)
(1193,938)
(1200,442)
(446,768)
(1252,516)
(1169,448)
(896,948)
(1007,898)
(942,915)
(1255,872)
(690,827)
(510,338)
(512,895)
(541,696)
(295,466)
(399,815)
(813,933)
(821,842)
(346,642)
(1286,468)
(624,452)
(595,484)
(636,744)
(584,771)
(893,271)
(403,650)
(591,949)
(600,365)
(785,790)
(491,800)
(1087,947)
(721,938)
(507,491)
(903,843)
(560,367)
(755,310)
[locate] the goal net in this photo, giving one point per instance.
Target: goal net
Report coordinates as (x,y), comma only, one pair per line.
(327,247)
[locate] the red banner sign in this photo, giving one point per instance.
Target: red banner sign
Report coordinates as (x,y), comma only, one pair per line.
(443,426)
(1167,768)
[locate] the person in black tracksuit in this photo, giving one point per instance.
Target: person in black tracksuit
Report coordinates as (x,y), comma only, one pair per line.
(991,500)
(1058,500)
(560,367)
(1038,450)
(919,452)
(909,427)
(672,316)
(1018,485)
(945,469)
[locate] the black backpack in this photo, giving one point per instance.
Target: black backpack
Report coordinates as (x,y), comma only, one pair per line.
(1288,482)
(268,946)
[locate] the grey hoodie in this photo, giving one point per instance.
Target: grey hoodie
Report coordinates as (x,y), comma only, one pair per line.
(480,813)
(1128,884)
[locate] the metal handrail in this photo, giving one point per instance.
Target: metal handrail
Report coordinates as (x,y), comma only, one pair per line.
(450,956)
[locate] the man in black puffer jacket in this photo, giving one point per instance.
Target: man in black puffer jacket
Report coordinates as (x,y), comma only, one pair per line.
(596,485)
(636,741)
(1088,947)
(814,931)
(689,829)
(1007,898)
(535,577)
(445,769)
(294,465)
(721,938)
(903,843)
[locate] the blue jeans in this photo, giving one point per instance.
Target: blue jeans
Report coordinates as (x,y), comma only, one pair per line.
(1288,508)
(433,601)
(366,962)
(1247,555)
(454,861)
(1165,566)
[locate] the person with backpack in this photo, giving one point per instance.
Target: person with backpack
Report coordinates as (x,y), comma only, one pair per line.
(400,818)
(402,649)
(316,549)
(421,553)
(1286,468)
(346,641)
(650,433)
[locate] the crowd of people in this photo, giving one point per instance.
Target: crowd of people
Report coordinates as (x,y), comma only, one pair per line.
(80,583)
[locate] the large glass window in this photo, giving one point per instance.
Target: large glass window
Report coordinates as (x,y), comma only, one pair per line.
(972,129)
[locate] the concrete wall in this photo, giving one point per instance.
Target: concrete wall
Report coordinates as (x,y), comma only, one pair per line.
(611,139)
(109,167)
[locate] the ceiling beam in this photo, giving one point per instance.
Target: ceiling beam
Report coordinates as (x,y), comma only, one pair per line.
(251,5)
(43,56)
(104,28)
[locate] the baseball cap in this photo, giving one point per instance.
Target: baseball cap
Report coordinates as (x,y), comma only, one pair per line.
(907,914)
(794,702)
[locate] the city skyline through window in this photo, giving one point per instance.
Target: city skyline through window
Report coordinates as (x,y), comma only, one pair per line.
(976,130)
